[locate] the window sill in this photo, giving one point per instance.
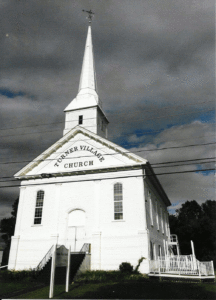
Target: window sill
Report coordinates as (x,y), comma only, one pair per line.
(37,225)
(118,221)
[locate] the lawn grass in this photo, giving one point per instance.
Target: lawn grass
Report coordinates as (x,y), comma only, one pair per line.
(16,283)
(129,290)
(103,285)
(10,288)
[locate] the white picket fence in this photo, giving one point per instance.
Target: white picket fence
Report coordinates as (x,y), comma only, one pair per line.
(181,265)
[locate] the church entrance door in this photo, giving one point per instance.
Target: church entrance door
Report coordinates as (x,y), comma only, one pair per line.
(76,230)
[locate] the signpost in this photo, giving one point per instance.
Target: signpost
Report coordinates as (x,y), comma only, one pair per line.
(60,258)
(68,270)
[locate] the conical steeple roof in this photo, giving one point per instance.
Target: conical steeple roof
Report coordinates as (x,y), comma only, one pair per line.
(87,94)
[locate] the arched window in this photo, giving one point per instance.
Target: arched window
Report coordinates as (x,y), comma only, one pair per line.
(39,207)
(76,218)
(118,199)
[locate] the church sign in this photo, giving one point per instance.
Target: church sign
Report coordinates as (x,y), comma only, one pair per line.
(61,256)
(79,164)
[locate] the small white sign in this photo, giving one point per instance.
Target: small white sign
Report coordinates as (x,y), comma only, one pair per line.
(61,257)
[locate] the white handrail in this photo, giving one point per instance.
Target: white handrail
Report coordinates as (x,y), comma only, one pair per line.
(4,266)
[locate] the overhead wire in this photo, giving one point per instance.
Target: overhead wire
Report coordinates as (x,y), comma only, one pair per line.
(178,165)
(110,154)
(199,161)
(138,142)
(108,178)
(113,113)
(42,132)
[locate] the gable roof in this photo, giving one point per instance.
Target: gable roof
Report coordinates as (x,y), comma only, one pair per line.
(134,159)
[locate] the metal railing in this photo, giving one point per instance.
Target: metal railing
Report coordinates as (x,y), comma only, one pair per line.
(86,248)
(3,266)
(45,259)
(206,268)
(181,265)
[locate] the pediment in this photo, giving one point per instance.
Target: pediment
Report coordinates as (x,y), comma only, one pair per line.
(80,150)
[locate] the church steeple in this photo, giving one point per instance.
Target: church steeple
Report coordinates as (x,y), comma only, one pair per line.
(85,110)
(88,75)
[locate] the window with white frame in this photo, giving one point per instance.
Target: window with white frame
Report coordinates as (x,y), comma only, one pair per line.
(156,209)
(151,251)
(166,222)
(118,201)
(159,250)
(164,247)
(150,208)
(162,220)
(39,207)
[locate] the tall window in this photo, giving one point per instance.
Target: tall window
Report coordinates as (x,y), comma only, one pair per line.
(159,250)
(118,199)
(39,207)
(157,219)
(80,120)
(151,251)
(150,208)
(162,220)
(166,224)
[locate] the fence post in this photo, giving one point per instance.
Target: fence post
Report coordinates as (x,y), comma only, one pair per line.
(212,267)
(198,262)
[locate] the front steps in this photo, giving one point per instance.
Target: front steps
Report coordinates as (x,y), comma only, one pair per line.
(60,272)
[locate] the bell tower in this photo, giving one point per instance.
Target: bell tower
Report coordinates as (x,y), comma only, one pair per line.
(86,110)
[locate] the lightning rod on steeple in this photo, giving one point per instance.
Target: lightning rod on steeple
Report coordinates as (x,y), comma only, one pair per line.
(90,15)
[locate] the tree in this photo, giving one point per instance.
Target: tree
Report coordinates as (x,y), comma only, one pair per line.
(7,226)
(197,223)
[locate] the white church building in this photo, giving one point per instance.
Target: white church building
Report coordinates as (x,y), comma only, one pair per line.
(85,189)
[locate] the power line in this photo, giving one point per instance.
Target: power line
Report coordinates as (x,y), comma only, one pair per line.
(145,133)
(165,116)
(178,165)
(183,165)
(108,178)
(107,154)
(168,162)
(119,113)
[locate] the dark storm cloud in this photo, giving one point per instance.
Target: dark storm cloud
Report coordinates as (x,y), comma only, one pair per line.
(154,64)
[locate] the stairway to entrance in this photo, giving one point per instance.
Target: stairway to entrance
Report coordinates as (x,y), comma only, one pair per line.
(60,272)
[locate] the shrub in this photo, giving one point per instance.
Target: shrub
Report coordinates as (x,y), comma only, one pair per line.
(19,275)
(138,265)
(126,267)
(100,276)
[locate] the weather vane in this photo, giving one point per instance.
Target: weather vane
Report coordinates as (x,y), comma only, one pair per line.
(90,15)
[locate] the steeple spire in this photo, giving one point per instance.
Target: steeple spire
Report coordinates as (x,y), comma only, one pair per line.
(88,75)
(85,110)
(87,92)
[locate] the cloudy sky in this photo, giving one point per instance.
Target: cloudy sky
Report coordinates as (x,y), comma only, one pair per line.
(155,73)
